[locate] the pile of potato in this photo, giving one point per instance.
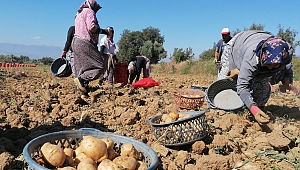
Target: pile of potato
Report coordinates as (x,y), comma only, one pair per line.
(93,154)
(173,116)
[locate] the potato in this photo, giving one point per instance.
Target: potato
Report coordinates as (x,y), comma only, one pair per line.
(94,148)
(129,150)
(141,165)
(69,161)
(53,154)
(81,156)
(128,163)
(77,151)
(69,152)
(167,118)
(110,143)
(67,168)
(107,164)
(183,116)
(174,115)
(87,164)
(112,154)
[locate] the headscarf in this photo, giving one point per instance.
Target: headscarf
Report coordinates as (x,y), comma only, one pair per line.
(110,31)
(131,67)
(90,4)
(272,50)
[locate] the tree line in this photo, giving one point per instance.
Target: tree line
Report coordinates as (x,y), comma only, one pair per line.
(25,59)
(149,42)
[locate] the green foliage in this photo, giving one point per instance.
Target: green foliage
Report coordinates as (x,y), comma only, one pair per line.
(147,42)
(288,35)
(180,55)
(186,69)
(22,59)
(256,27)
(46,60)
(296,68)
(208,54)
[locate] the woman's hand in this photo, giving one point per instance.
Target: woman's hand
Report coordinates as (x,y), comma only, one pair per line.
(260,116)
(63,54)
(232,73)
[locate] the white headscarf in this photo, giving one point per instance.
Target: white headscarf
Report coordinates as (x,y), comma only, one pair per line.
(131,67)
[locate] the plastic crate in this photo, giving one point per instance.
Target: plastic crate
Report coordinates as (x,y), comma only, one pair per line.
(71,139)
(180,132)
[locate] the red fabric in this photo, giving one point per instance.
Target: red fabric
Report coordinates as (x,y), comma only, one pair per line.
(145,83)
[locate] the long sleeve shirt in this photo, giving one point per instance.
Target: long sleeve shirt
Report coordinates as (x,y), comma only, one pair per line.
(243,57)
(70,36)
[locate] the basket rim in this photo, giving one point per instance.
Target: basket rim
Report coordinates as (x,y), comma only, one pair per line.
(85,131)
(194,114)
(199,91)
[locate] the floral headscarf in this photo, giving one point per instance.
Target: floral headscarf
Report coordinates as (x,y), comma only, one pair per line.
(90,4)
(272,50)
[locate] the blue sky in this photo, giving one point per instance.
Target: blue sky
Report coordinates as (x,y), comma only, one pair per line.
(183,23)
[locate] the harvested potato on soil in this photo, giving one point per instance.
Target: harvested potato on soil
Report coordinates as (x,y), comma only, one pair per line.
(53,154)
(141,165)
(183,116)
(173,116)
(128,163)
(80,157)
(166,118)
(107,164)
(112,154)
(69,161)
(77,151)
(69,152)
(110,143)
(129,150)
(94,148)
(87,164)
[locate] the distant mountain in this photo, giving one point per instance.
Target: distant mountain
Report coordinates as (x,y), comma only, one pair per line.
(32,51)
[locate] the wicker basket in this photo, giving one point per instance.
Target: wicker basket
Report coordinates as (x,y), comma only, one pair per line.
(189,98)
(71,139)
(180,132)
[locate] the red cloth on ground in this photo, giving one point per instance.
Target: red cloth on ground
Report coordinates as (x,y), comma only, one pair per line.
(145,83)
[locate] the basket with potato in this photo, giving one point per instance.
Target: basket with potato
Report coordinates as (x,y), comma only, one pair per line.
(88,148)
(176,129)
(189,98)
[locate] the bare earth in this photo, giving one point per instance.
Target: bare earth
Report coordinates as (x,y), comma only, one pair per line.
(39,103)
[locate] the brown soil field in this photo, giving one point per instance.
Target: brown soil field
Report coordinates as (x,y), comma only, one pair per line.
(37,103)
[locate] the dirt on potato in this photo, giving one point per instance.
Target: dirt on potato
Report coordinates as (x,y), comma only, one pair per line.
(37,103)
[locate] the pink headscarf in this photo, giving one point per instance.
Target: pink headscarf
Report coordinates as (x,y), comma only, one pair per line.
(90,4)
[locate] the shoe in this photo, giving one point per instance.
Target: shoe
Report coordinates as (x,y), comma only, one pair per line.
(84,95)
(79,82)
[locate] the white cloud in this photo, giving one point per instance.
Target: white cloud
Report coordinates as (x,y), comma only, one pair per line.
(37,38)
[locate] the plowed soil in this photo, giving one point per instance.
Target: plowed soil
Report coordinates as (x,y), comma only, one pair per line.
(37,103)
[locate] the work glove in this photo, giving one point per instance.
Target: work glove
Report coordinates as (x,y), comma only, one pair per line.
(215,60)
(260,116)
(232,73)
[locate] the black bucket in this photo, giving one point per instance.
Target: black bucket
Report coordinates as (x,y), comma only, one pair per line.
(61,68)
